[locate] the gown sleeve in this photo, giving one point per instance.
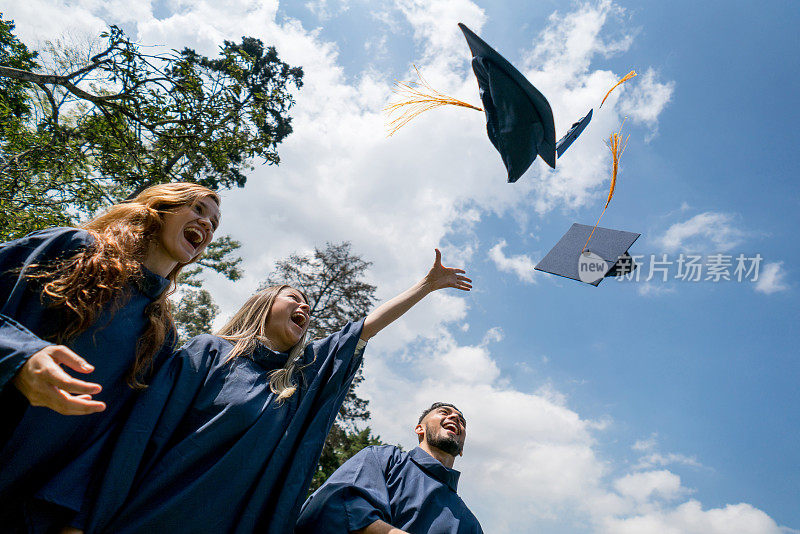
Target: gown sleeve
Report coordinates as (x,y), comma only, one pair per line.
(354,497)
(17,342)
(336,355)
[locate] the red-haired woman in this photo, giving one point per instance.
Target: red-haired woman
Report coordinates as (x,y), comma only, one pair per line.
(94,300)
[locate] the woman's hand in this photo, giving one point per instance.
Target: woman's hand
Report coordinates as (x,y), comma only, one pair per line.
(440,276)
(437,278)
(45,383)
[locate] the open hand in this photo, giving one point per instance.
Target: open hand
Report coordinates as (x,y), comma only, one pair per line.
(438,277)
(45,383)
(441,276)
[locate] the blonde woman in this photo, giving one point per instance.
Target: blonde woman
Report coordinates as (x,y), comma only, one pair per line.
(228,437)
(89,300)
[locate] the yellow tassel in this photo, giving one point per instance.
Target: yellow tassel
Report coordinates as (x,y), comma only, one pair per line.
(418,97)
(617,147)
(624,79)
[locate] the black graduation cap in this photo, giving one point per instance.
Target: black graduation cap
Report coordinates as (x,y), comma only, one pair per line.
(606,254)
(574,131)
(519,120)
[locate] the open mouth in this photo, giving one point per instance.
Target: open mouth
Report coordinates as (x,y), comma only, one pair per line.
(299,318)
(451,427)
(193,236)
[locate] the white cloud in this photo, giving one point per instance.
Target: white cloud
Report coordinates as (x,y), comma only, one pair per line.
(494,334)
(647,98)
(690,518)
(645,485)
(324,11)
(435,28)
(658,460)
(652,458)
(521,265)
(569,42)
(463,365)
(709,232)
(645,444)
(377,47)
(771,279)
(653,289)
(33,28)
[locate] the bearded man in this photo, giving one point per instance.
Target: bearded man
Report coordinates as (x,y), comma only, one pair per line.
(383,490)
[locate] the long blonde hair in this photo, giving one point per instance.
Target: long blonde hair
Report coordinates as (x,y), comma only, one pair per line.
(247,331)
(100,274)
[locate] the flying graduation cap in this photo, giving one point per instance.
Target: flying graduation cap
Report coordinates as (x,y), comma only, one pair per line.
(589,254)
(519,120)
(607,255)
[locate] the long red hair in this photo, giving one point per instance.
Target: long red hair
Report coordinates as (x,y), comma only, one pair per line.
(100,275)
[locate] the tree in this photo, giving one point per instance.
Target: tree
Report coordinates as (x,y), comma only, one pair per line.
(97,127)
(14,105)
(16,115)
(340,446)
(331,278)
(195,310)
(194,313)
(90,129)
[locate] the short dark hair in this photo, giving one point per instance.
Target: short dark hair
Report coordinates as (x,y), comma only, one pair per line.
(436,405)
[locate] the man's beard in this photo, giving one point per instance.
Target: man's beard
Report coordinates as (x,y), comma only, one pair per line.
(444,442)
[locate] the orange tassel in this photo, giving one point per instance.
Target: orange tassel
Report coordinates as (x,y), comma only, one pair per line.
(418,97)
(617,147)
(624,79)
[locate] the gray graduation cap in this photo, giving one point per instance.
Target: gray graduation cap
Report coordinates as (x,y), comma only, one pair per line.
(605,255)
(519,120)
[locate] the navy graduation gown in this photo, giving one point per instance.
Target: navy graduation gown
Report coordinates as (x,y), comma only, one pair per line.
(209,449)
(411,491)
(44,453)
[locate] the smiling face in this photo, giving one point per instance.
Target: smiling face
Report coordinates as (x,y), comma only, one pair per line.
(185,233)
(287,320)
(445,429)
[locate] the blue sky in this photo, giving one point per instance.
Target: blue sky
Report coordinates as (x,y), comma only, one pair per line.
(631,407)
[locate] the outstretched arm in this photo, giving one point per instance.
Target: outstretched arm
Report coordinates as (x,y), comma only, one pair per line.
(437,278)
